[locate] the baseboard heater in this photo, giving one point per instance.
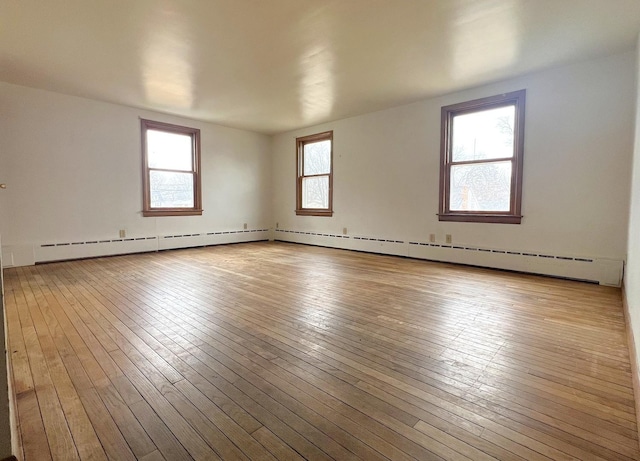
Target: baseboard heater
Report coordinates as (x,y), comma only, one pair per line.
(601,270)
(60,251)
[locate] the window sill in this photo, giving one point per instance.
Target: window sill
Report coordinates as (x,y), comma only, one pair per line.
(310,212)
(481,218)
(172,212)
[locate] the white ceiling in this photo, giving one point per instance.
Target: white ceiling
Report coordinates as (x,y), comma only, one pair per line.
(276,65)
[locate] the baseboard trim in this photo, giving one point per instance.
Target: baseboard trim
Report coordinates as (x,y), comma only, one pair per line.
(633,357)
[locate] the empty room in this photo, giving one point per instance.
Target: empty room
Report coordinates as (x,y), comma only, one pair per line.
(320,229)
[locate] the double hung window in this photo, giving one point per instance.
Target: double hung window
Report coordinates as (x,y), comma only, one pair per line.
(315,175)
(171,170)
(482,145)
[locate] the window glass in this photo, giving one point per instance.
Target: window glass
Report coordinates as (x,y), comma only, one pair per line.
(483,135)
(315,192)
(169,151)
(171,190)
(482,187)
(317,158)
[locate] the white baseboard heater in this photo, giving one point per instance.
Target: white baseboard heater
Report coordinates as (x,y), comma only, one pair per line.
(24,255)
(601,270)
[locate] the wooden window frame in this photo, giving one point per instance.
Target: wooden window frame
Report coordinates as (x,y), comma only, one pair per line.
(300,143)
(513,216)
(147,209)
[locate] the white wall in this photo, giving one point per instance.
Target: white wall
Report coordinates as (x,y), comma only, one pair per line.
(632,272)
(73,173)
(578,143)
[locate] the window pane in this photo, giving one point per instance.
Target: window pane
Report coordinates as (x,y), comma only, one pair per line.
(486,134)
(169,151)
(317,158)
(481,187)
(315,192)
(171,190)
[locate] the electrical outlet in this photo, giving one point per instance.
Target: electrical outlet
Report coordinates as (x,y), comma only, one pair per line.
(245,225)
(344,231)
(432,238)
(448,238)
(123,233)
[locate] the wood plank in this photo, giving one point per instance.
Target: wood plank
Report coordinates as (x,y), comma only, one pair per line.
(110,436)
(166,442)
(138,440)
(275,445)
(153,456)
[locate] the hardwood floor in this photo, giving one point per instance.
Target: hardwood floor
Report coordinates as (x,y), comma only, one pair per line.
(279,351)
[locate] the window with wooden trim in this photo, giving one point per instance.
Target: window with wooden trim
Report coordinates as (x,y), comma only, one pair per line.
(315,175)
(171,170)
(481,150)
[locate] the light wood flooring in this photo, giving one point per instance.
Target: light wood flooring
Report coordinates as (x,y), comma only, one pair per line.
(279,351)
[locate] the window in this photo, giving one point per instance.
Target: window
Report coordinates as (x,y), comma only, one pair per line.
(481,150)
(315,175)
(171,170)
